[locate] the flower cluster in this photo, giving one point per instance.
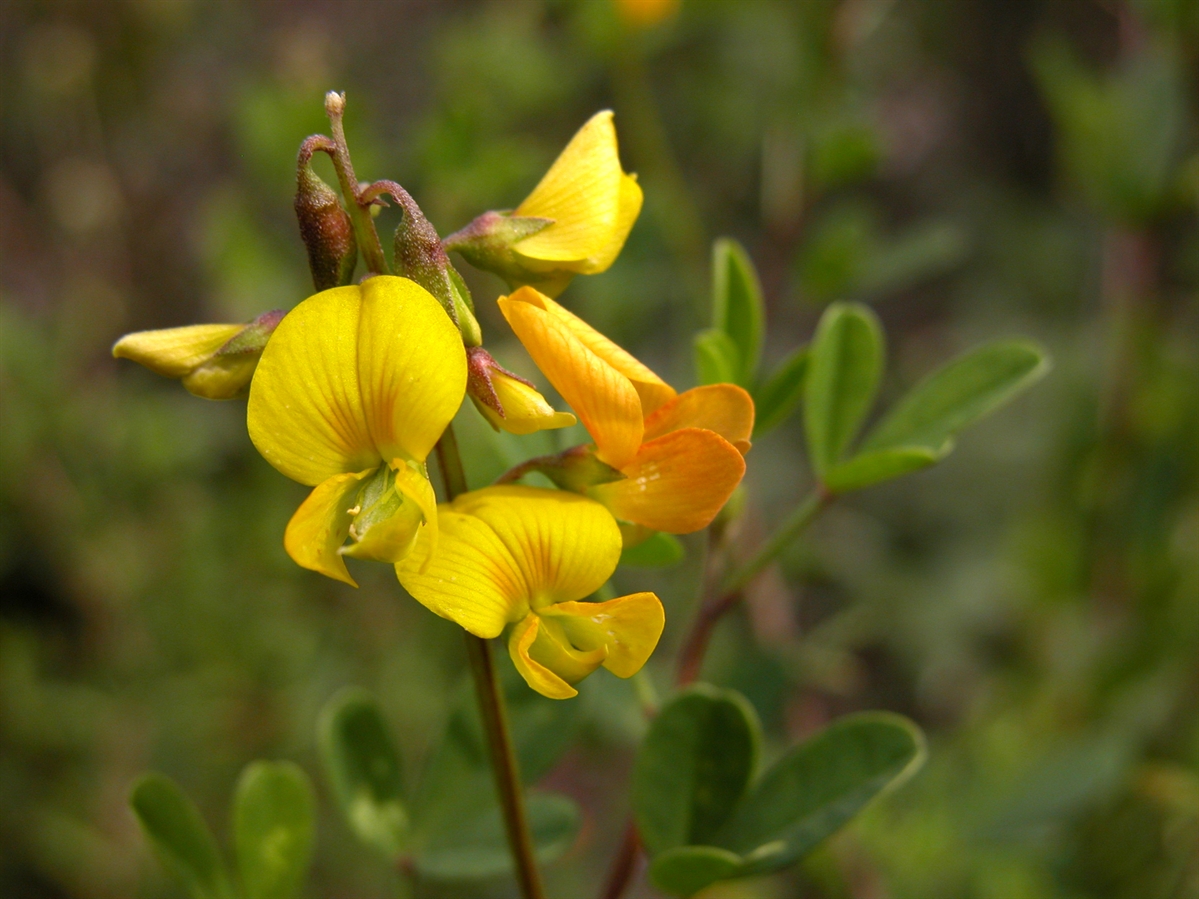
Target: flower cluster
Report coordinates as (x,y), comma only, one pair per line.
(350,392)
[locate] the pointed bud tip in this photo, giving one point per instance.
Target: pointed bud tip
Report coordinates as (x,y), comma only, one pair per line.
(335,103)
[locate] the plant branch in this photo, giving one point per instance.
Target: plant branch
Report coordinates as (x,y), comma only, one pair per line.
(360,214)
(504,764)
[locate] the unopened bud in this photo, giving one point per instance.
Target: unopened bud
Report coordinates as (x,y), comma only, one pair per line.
(325,226)
(335,103)
(577,469)
(489,242)
(507,401)
(213,361)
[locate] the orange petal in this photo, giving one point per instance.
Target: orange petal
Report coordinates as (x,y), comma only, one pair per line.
(652,390)
(724,408)
(677,483)
(628,627)
(603,398)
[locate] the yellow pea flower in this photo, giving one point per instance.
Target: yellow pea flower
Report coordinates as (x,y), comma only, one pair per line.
(680,454)
(508,402)
(215,362)
(351,394)
(525,556)
(574,222)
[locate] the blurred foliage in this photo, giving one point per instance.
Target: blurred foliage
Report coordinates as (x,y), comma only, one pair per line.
(974,170)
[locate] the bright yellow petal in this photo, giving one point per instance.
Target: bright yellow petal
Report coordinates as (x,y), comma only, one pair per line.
(652,390)
(603,398)
(536,675)
(414,485)
(411,366)
(582,194)
(677,483)
(724,408)
(320,525)
(525,410)
(175,352)
(472,580)
(628,627)
(630,208)
(305,412)
(566,545)
(222,377)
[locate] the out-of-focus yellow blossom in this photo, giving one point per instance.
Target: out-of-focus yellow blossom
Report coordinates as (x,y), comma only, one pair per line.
(213,361)
(680,454)
(574,222)
(352,393)
(646,13)
(526,556)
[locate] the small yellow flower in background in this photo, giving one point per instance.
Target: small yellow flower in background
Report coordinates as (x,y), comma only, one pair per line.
(215,362)
(646,13)
(507,401)
(575,222)
(525,556)
(353,391)
(680,454)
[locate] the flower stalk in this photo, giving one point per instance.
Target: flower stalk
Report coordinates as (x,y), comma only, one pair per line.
(360,214)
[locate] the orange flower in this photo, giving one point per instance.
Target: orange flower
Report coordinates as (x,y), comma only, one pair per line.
(680,454)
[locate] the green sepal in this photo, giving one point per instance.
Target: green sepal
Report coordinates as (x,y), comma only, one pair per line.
(274,829)
(180,838)
(363,769)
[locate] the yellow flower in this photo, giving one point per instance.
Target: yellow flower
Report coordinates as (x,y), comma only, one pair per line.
(526,556)
(352,393)
(680,454)
(213,361)
(508,402)
(575,221)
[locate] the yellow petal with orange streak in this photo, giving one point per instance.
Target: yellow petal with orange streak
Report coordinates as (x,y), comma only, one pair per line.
(604,399)
(320,526)
(724,408)
(629,627)
(677,482)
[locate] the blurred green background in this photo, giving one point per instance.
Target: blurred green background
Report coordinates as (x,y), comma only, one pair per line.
(972,168)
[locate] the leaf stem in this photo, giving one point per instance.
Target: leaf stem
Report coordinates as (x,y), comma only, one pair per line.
(504,764)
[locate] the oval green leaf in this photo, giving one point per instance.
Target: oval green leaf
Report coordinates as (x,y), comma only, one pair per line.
(844,368)
(476,847)
(181,839)
(869,468)
(959,393)
(693,767)
(273,829)
(657,551)
(716,358)
(686,870)
(818,786)
(363,768)
(775,400)
(737,307)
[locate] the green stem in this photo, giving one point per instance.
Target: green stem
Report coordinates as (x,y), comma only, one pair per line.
(504,764)
(360,213)
(797,522)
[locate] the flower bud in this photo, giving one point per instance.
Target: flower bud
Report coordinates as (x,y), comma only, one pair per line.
(213,361)
(325,225)
(574,222)
(507,401)
(577,469)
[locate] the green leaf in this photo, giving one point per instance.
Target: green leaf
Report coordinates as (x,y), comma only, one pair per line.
(844,366)
(363,768)
(273,829)
(657,551)
(960,393)
(818,786)
(716,357)
(737,307)
(775,400)
(181,839)
(693,766)
(477,847)
(872,467)
(688,869)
